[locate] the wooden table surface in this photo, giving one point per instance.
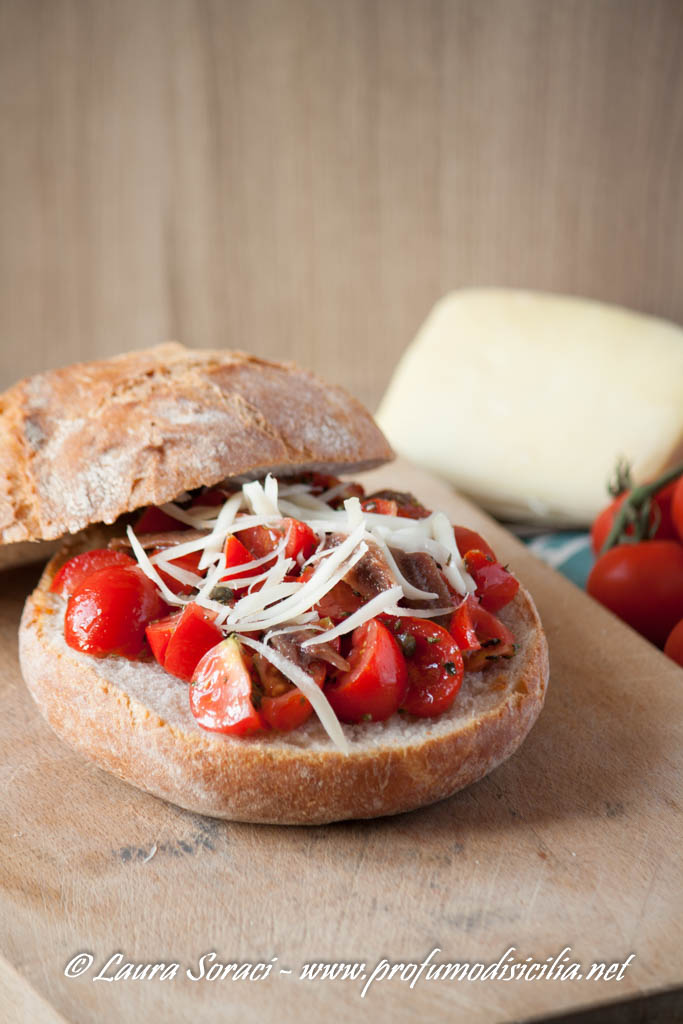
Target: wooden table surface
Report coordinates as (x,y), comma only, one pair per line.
(305,179)
(573,842)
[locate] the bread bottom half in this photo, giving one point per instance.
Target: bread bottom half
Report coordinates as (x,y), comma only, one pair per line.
(133,719)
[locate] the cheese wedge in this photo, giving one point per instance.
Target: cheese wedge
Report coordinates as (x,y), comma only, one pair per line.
(526,400)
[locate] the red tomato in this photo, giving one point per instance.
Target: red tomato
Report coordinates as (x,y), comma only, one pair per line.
(154,520)
(467,540)
(493,639)
(261,540)
(221,696)
(189,562)
(673,647)
(108,612)
(380,506)
(462,625)
(661,512)
(375,685)
(194,634)
(236,554)
(642,584)
(283,706)
(78,568)
(159,634)
(496,587)
(435,666)
(301,540)
(677,507)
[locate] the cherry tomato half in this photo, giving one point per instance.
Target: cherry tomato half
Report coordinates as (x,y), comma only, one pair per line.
(221,694)
(435,666)
(496,587)
(283,705)
(375,685)
(190,635)
(78,568)
(673,647)
(643,584)
(467,540)
(108,612)
(261,540)
(493,639)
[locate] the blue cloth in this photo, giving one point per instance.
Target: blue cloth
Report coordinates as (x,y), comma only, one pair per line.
(568,551)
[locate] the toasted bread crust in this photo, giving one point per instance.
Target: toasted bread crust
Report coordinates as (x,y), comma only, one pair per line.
(297,778)
(92,441)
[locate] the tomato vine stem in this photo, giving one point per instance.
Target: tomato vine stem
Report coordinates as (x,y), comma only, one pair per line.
(636,510)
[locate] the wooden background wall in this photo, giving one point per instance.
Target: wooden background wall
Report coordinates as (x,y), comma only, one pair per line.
(303,178)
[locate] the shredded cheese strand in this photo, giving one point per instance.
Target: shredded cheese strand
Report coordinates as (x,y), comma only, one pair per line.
(308,687)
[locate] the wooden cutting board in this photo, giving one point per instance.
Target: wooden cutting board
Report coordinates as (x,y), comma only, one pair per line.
(574,842)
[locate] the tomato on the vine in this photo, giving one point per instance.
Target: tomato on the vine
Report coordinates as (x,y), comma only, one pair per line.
(673,647)
(643,584)
(677,507)
(661,518)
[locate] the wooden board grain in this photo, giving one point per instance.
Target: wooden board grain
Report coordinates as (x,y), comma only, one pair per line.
(305,179)
(573,842)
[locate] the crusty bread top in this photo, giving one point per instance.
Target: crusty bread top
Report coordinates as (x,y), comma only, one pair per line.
(89,442)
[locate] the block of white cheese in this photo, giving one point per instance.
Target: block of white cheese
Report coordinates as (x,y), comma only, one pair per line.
(525,400)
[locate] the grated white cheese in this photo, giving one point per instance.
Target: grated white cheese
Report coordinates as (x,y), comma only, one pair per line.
(308,687)
(280,606)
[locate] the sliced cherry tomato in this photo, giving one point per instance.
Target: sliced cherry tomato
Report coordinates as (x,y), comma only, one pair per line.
(195,633)
(236,554)
(673,647)
(380,506)
(261,540)
(159,634)
(155,520)
(301,540)
(108,612)
(661,515)
(435,666)
(467,540)
(283,706)
(643,584)
(375,685)
(188,562)
(78,568)
(462,625)
(496,587)
(494,640)
(221,695)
